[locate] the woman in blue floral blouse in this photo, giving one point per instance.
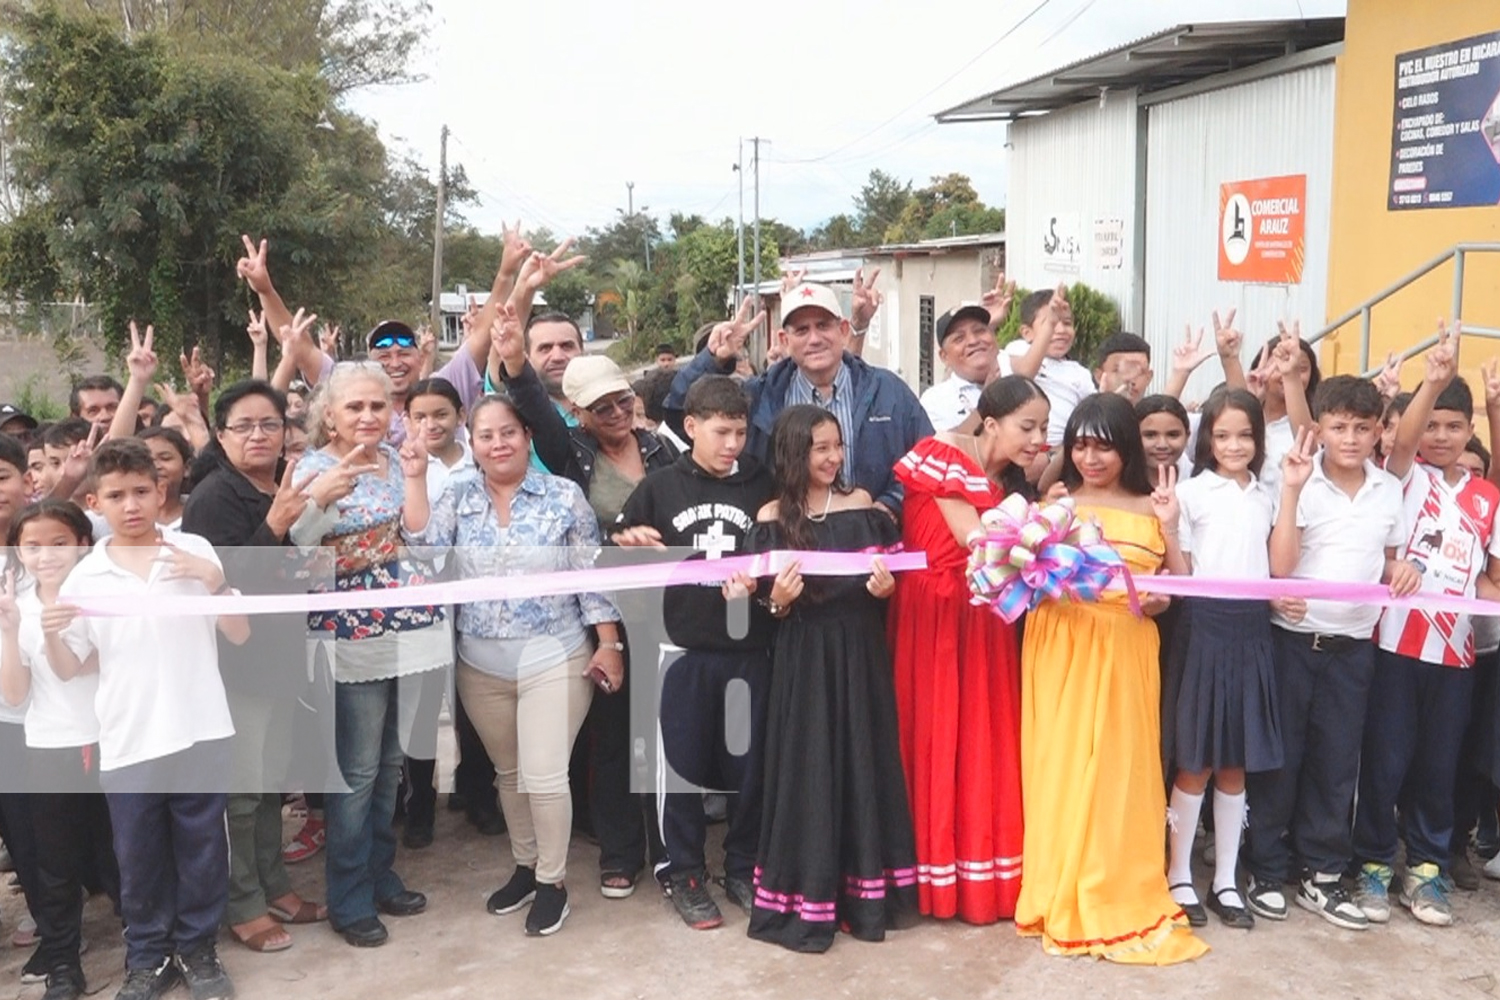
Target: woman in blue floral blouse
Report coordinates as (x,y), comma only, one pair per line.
(379,657)
(526,666)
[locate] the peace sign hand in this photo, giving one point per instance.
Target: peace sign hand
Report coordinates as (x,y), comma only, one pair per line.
(1490,371)
(544,267)
(1388,379)
(290,501)
(1164,499)
(866,299)
(1297,466)
(339,481)
(1227,339)
(255,329)
(328,339)
(141,361)
(252,267)
(200,377)
(1188,355)
(507,344)
(728,338)
(998,299)
(413,453)
(301,324)
(76,465)
(183,565)
(791,279)
(1442,359)
(516,250)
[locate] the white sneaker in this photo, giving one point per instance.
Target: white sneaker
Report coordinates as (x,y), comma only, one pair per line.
(1492,868)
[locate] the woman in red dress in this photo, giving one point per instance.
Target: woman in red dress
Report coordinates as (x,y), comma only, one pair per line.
(958,675)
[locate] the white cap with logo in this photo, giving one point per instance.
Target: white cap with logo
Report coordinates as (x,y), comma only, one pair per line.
(810,294)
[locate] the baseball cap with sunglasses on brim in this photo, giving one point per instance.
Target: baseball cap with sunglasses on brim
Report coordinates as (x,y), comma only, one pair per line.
(391,333)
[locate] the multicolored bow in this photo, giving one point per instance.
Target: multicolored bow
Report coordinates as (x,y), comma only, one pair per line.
(1028,552)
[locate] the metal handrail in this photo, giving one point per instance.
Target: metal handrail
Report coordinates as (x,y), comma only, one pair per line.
(1456,253)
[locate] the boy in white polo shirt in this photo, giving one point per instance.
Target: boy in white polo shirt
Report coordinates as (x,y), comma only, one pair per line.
(1424,681)
(1340,518)
(164,725)
(1047,315)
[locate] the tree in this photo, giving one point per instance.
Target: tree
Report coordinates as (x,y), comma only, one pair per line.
(879,204)
(628,291)
(948,202)
(839,233)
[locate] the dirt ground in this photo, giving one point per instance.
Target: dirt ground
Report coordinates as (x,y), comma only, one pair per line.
(637,949)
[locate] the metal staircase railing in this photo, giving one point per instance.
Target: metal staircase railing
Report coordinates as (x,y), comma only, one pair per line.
(1457,254)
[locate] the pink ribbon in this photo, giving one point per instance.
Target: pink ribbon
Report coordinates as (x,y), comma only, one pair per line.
(1320,590)
(501,588)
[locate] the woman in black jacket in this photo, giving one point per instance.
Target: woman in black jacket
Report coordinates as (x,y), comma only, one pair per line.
(607,457)
(245,502)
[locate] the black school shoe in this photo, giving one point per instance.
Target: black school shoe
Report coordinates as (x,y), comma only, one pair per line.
(148,984)
(406,903)
(204,973)
(367,932)
(1196,915)
(65,983)
(548,910)
(1231,914)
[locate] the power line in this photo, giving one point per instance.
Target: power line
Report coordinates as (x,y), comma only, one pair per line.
(947,80)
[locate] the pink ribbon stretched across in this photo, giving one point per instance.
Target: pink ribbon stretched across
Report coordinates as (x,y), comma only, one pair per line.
(1320,590)
(501,588)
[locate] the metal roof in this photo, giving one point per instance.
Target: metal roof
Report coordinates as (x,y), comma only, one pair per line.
(1180,55)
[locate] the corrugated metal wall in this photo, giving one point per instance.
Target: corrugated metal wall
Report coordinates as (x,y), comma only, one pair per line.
(1080,161)
(1280,125)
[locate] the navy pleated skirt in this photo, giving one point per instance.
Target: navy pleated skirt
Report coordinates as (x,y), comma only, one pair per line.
(1226,712)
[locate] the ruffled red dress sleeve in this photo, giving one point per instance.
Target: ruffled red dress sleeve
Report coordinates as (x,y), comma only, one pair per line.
(938,469)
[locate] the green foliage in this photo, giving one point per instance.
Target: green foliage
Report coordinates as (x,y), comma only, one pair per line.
(31,397)
(879,205)
(948,203)
(1095,316)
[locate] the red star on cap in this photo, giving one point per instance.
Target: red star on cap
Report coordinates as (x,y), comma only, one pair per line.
(807,292)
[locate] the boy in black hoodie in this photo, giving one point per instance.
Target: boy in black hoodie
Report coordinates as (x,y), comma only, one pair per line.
(708,501)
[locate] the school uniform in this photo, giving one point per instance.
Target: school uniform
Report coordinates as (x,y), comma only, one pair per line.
(1299,814)
(1065,381)
(1424,684)
(69,817)
(1226,714)
(164,731)
(715,670)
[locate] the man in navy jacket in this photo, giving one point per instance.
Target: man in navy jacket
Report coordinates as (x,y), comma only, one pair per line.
(881,418)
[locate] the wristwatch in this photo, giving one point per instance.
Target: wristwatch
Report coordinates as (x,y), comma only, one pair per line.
(618,647)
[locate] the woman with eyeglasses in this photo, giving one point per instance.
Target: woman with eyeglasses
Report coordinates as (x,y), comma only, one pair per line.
(245,503)
(607,457)
(380,657)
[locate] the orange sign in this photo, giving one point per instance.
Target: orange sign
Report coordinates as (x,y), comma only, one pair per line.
(1262,230)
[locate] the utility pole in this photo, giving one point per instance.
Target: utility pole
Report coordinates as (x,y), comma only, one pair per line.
(757,140)
(435,314)
(739,230)
(629,199)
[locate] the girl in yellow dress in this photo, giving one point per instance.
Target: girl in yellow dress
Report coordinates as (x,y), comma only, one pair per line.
(1093,798)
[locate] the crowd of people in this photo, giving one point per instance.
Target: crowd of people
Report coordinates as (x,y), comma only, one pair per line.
(890,747)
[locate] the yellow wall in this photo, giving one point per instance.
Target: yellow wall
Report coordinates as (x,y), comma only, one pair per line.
(1372,246)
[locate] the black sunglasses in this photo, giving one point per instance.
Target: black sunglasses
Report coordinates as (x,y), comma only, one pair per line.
(396,338)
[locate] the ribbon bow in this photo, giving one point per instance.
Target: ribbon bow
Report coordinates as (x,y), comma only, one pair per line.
(1026,552)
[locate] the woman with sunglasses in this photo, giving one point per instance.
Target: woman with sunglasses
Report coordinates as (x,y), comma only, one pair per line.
(607,457)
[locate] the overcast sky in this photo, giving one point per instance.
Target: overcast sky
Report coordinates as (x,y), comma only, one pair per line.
(555,106)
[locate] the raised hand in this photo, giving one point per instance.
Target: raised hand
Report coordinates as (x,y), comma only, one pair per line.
(10,615)
(791,279)
(1442,358)
(301,324)
(998,299)
(328,339)
(728,338)
(255,329)
(507,343)
(1164,498)
(76,465)
(290,500)
(339,481)
(866,299)
(183,565)
(252,267)
(200,377)
(543,268)
(427,349)
(141,361)
(1188,355)
(516,250)
(470,316)
(413,453)
(1490,371)
(1297,466)
(1388,379)
(1227,339)
(1260,374)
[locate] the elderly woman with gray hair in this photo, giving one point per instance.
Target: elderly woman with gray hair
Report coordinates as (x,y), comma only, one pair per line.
(379,657)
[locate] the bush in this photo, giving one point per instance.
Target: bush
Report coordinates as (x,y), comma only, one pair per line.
(1095,316)
(32,398)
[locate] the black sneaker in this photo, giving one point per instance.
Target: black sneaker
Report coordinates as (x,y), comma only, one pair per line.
(695,906)
(548,910)
(740,892)
(520,890)
(148,984)
(1328,898)
(64,983)
(1266,898)
(204,973)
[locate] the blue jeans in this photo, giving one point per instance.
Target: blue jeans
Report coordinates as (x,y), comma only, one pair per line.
(361,842)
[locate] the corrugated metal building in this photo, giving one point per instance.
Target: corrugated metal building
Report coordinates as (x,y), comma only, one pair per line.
(1120,157)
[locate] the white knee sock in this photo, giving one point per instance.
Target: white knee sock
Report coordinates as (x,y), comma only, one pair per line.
(1183,814)
(1229,817)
